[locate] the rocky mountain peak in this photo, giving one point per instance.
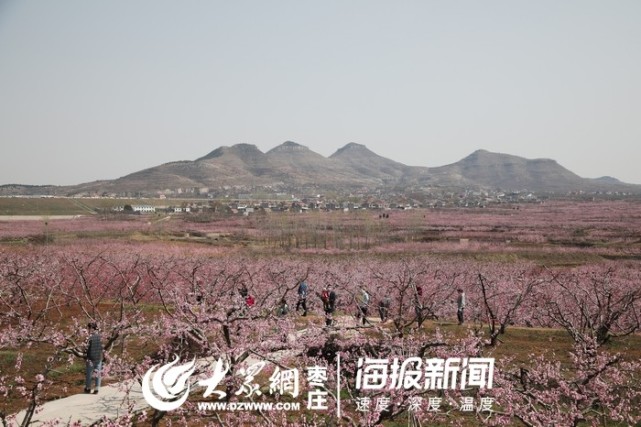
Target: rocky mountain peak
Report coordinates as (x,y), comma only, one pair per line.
(352,148)
(240,150)
(288,146)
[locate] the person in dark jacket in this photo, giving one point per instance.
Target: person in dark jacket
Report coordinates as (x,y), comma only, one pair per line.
(460,306)
(302,297)
(383,308)
(93,359)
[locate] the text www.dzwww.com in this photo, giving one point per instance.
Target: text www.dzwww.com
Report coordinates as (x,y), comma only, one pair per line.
(249,406)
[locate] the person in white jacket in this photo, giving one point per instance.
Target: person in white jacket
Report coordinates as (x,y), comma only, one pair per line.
(362,300)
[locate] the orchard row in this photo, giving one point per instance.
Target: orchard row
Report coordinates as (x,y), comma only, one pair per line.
(153,302)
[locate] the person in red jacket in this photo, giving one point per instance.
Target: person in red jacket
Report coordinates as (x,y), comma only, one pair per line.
(249,300)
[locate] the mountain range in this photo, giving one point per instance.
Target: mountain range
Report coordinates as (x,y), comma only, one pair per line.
(291,166)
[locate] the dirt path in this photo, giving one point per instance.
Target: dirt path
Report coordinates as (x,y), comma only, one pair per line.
(112,401)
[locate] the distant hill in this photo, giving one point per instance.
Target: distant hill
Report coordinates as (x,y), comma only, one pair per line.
(361,160)
(292,166)
(507,172)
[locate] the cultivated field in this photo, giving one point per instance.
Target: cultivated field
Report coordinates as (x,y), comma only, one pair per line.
(552,291)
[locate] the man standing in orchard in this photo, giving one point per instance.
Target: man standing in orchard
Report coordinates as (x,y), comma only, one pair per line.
(362,302)
(93,359)
(460,306)
(383,308)
(302,297)
(328,296)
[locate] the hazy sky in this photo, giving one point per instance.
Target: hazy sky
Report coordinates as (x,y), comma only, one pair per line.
(99,89)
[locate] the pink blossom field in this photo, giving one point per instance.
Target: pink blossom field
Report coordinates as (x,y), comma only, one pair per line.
(552,296)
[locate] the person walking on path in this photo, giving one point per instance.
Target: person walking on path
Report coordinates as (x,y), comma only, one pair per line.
(460,306)
(302,297)
(93,359)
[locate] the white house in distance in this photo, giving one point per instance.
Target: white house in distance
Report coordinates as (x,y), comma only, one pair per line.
(143,208)
(137,208)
